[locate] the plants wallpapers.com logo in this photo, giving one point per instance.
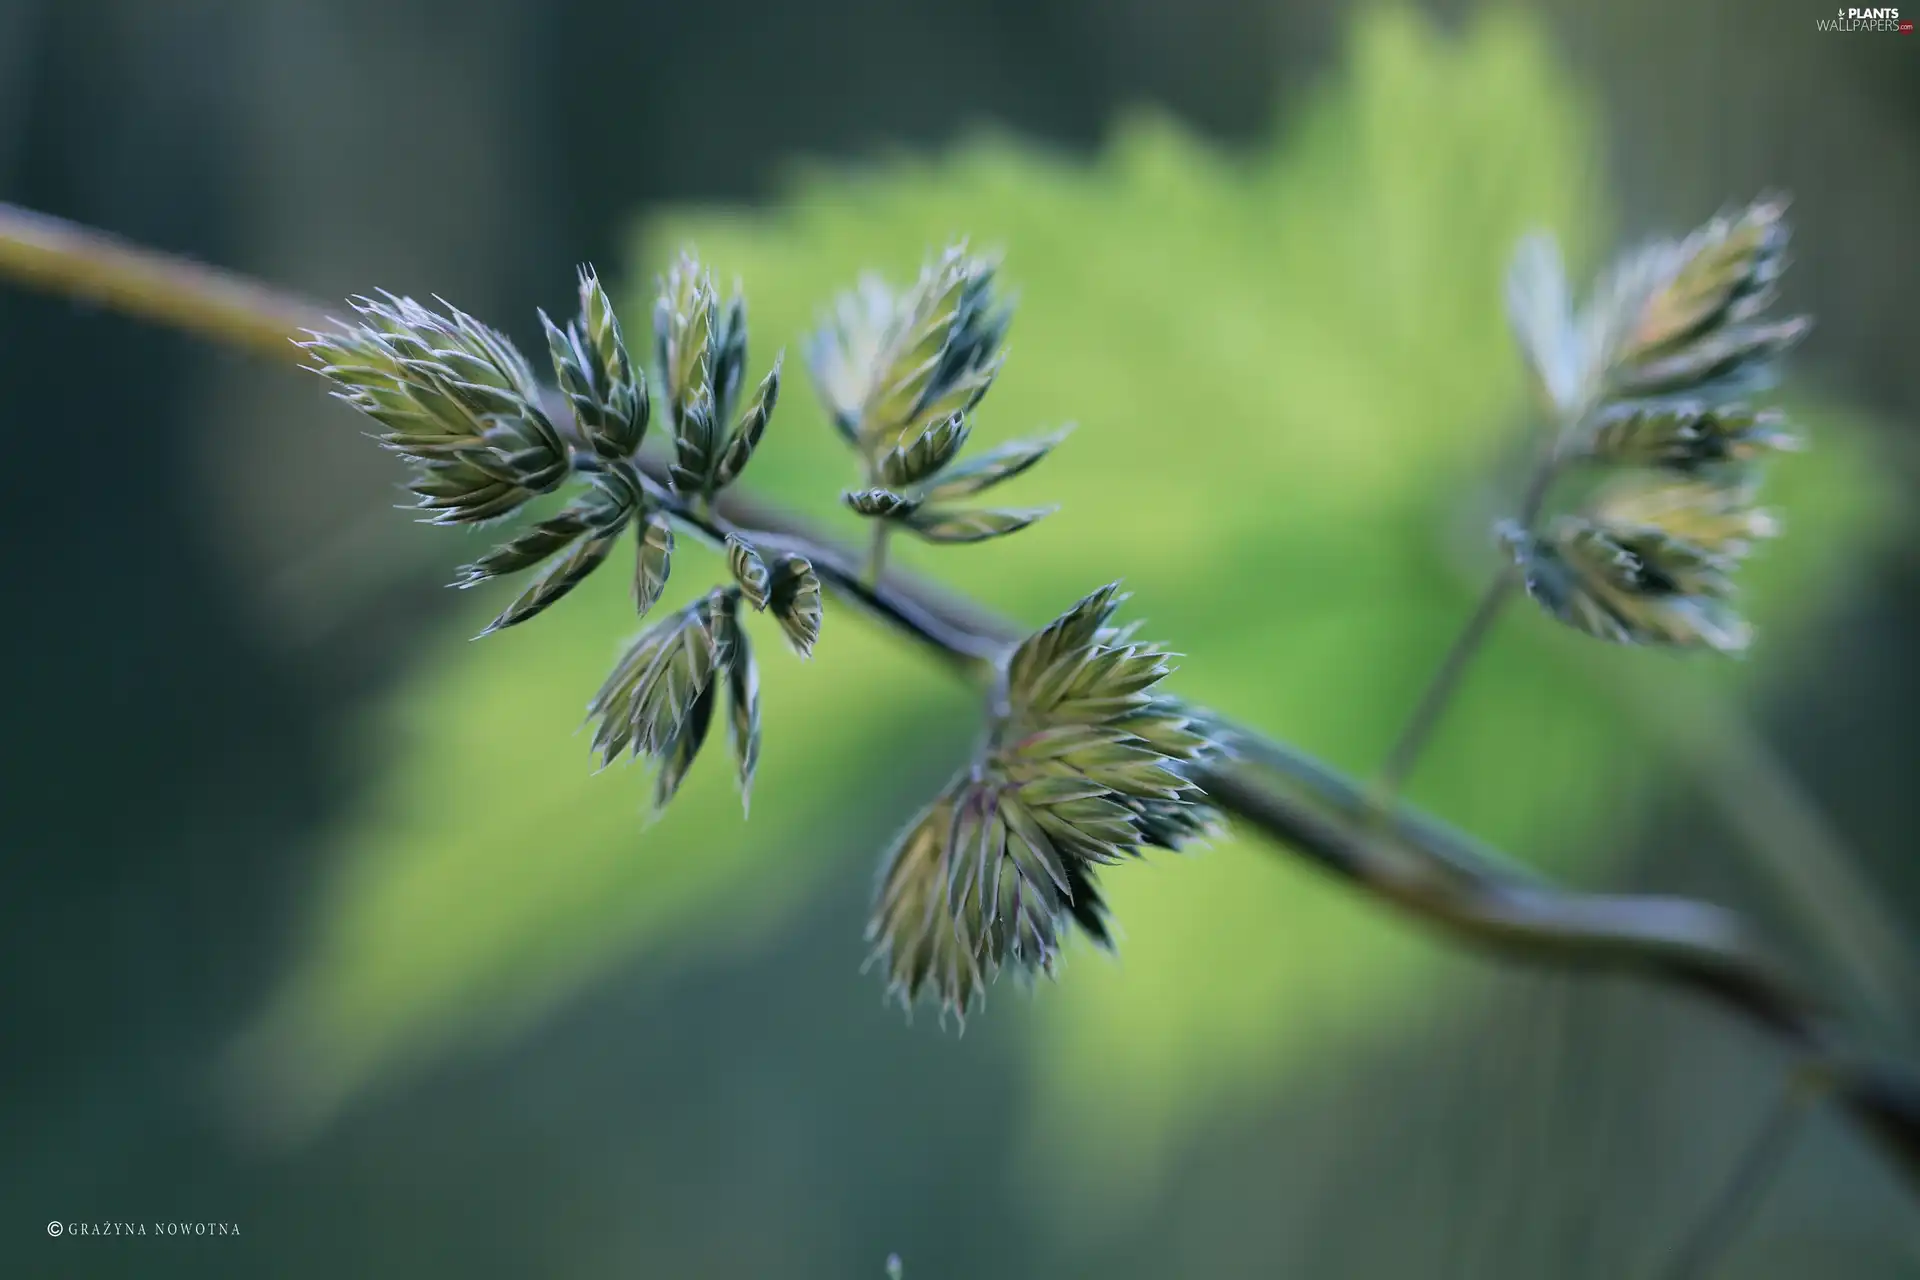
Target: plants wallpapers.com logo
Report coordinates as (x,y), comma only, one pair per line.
(1882,20)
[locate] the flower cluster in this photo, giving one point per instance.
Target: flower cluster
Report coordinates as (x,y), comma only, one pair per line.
(1082,766)
(900,375)
(456,399)
(1653,382)
(461,404)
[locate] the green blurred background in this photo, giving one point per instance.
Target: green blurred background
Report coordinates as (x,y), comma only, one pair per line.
(317,920)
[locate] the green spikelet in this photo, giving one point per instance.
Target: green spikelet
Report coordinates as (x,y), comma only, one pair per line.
(748,570)
(743,700)
(455,399)
(900,374)
(1655,380)
(793,597)
(607,393)
(948,524)
(880,504)
(653,560)
(752,425)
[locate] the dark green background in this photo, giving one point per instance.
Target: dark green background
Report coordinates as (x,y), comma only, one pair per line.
(195,648)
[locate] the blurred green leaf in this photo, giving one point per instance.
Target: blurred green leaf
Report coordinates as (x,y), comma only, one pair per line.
(1295,380)
(492,870)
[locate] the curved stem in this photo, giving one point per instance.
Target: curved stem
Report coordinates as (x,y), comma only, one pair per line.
(956,645)
(1410,862)
(1418,834)
(1538,487)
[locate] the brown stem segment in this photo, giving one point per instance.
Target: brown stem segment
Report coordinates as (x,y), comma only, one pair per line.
(90,266)
(1410,862)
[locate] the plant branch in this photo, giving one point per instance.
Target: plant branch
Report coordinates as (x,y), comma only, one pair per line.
(961,647)
(90,266)
(1413,863)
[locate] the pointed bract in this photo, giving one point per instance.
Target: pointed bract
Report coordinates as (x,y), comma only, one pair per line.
(678,755)
(563,575)
(683,323)
(696,441)
(952,525)
(1683,435)
(729,356)
(527,549)
(743,704)
(901,374)
(880,504)
(793,597)
(992,467)
(649,695)
(748,570)
(653,561)
(752,425)
(924,452)
(607,393)
(938,353)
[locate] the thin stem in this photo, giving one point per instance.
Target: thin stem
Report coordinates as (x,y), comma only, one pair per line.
(1706,1245)
(956,645)
(1538,486)
(1315,813)
(1405,752)
(876,553)
(1440,690)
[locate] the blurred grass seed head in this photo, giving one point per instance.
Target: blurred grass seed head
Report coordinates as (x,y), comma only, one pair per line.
(1654,378)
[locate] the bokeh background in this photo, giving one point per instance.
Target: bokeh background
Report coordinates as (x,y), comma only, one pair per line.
(315,919)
